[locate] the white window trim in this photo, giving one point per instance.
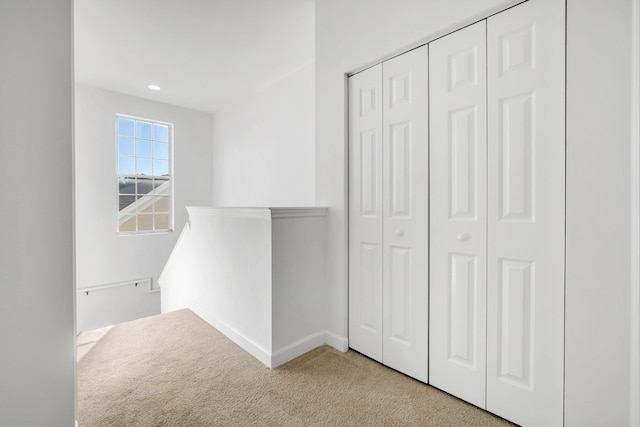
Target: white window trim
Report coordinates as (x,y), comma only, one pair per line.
(145,202)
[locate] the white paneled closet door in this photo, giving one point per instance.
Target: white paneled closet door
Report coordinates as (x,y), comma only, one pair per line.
(526,213)
(406,212)
(388,213)
(457,70)
(365,212)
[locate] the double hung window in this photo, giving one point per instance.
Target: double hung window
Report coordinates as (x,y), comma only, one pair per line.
(144,175)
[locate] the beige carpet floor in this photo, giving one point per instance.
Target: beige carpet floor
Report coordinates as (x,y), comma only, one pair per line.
(176,370)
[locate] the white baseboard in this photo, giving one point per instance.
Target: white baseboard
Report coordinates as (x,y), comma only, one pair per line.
(297,348)
(279,357)
(306,344)
(336,341)
(245,343)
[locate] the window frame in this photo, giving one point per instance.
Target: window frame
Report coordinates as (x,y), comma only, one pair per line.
(119,176)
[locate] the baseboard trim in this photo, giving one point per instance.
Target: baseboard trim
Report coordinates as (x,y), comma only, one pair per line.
(297,348)
(245,343)
(279,357)
(308,343)
(336,341)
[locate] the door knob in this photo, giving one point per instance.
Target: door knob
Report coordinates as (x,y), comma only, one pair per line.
(464,236)
(399,232)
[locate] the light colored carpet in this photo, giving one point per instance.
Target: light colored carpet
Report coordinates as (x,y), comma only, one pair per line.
(176,370)
(86,340)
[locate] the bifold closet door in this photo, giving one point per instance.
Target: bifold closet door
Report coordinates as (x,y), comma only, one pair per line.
(388,213)
(526,213)
(457,80)
(406,213)
(498,213)
(365,212)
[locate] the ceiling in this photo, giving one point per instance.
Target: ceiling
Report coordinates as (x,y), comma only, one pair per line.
(205,54)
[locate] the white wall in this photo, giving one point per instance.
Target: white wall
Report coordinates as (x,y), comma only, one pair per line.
(298,279)
(350,35)
(36,215)
(225,262)
(263,147)
(104,257)
(254,274)
(598,213)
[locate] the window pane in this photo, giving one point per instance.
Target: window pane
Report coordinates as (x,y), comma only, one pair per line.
(160,150)
(126,147)
(127,185)
(143,148)
(160,167)
(162,221)
(145,222)
(125,201)
(161,204)
(145,185)
(162,186)
(125,126)
(143,166)
(146,207)
(145,204)
(161,133)
(127,223)
(143,130)
(126,165)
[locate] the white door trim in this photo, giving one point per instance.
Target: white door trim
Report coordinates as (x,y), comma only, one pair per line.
(635,217)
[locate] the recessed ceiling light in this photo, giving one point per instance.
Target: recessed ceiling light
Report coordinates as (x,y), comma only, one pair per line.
(154,87)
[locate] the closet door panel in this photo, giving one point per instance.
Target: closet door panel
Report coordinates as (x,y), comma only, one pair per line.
(526,217)
(365,212)
(457,80)
(405,207)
